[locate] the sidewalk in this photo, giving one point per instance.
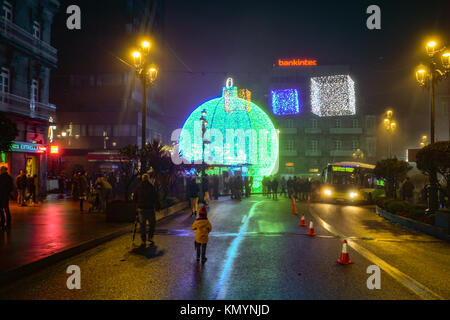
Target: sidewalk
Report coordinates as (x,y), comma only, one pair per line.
(52,227)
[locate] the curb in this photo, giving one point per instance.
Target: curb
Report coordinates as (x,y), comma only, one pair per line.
(412,224)
(27,269)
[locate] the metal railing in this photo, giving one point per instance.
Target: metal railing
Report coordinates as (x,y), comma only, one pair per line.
(26,107)
(22,37)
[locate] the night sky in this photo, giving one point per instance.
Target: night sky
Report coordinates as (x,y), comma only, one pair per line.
(206,41)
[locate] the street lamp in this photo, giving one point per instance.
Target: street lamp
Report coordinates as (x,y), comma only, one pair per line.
(429,76)
(147,74)
(423,141)
(390,125)
(204,124)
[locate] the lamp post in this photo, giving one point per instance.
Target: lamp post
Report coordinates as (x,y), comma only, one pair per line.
(428,76)
(147,74)
(423,141)
(204,124)
(390,125)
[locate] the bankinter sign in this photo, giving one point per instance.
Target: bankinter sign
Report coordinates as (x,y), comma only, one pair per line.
(296,62)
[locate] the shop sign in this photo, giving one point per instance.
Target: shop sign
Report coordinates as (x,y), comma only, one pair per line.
(27,147)
(296,62)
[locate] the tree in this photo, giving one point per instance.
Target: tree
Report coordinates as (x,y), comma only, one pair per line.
(137,161)
(8,132)
(129,168)
(393,171)
(164,170)
(432,159)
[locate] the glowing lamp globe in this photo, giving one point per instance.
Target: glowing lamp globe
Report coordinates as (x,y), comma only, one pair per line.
(236,135)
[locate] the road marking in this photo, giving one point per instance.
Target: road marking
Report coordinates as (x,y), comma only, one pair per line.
(419,289)
(222,285)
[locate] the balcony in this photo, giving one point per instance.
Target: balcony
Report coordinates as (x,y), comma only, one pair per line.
(25,107)
(288,130)
(26,40)
(313,130)
(341,153)
(346,130)
(313,153)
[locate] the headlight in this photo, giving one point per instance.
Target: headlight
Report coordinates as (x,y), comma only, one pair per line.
(353,195)
(327,192)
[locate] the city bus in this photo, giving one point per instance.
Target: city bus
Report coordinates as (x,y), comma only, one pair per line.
(350,182)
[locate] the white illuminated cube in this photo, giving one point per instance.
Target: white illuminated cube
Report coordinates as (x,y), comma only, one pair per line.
(333,96)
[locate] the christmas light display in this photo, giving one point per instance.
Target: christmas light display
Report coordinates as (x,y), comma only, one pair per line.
(285,102)
(333,96)
(246,95)
(238,136)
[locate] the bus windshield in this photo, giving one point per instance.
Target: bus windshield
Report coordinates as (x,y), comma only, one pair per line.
(356,175)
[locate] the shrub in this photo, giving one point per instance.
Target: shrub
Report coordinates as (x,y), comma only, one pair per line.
(395,206)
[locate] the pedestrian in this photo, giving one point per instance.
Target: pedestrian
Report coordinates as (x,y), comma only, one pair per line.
(275,188)
(193,196)
(216,187)
(407,190)
(21,184)
(205,189)
(290,187)
(308,188)
(250,186)
(147,199)
(75,195)
(247,186)
(31,188)
(283,186)
(202,228)
(6,187)
(83,189)
(105,190)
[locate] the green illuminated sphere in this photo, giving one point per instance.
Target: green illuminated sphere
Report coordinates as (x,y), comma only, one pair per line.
(238,132)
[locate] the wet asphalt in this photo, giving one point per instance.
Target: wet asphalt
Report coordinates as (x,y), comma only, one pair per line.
(256,251)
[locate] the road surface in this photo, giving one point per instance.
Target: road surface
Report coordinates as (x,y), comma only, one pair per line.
(256,250)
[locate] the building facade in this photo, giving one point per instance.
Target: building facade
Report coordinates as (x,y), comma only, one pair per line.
(26,60)
(97,91)
(317,111)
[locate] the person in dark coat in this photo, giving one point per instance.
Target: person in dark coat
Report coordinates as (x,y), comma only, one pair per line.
(205,189)
(283,186)
(83,189)
(274,185)
(147,200)
(408,190)
(247,186)
(6,187)
(193,196)
(216,187)
(21,184)
(290,187)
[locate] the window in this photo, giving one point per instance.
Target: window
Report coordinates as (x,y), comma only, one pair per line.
(314,123)
(313,145)
(34,94)
(337,123)
(7,11)
(290,145)
(4,84)
(289,123)
(355,123)
(37,30)
(370,123)
(355,144)
(337,144)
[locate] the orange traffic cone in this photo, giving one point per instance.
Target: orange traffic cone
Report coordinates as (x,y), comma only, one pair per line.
(294,208)
(311,229)
(344,259)
(302,221)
